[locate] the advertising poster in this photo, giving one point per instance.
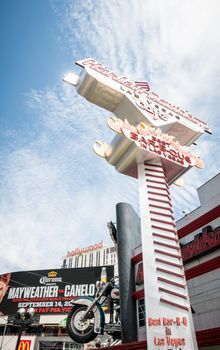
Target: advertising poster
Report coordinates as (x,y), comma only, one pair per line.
(48,291)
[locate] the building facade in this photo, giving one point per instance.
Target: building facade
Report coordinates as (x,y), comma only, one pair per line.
(99,254)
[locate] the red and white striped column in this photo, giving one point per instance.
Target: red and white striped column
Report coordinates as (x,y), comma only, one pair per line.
(169,322)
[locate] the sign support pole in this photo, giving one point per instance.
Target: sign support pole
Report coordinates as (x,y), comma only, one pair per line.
(168,313)
(19,336)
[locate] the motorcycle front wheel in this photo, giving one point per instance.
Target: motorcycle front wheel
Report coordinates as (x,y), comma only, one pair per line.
(82,331)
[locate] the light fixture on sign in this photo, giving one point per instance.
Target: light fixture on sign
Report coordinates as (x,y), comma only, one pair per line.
(71,78)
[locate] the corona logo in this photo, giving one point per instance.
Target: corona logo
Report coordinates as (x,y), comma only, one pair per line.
(24,345)
(52,274)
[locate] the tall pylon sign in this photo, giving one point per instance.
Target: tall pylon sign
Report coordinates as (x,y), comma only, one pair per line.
(151,144)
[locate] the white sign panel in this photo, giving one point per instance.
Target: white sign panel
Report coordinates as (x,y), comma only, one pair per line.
(168,314)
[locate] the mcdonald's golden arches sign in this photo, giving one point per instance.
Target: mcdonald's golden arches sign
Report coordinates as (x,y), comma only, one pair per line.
(24,345)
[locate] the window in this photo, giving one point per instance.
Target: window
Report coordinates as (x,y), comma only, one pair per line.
(70,262)
(104,257)
(64,264)
(76,261)
(85,260)
(141,313)
(59,345)
(113,258)
(71,346)
(49,345)
(90,259)
(97,258)
(79,261)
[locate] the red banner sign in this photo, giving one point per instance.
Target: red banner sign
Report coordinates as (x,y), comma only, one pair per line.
(140,274)
(154,141)
(202,243)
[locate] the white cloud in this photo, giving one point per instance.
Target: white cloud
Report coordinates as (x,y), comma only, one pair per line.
(174,45)
(55,186)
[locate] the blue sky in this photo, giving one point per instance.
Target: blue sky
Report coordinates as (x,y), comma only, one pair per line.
(30,53)
(56,194)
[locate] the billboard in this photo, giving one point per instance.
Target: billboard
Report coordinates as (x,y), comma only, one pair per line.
(48,291)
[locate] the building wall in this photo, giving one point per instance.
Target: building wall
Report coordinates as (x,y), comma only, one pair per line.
(203,270)
(8,342)
(103,255)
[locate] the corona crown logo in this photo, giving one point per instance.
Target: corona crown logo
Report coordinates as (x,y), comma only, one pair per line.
(52,274)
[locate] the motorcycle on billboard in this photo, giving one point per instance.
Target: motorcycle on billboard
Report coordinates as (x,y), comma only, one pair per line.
(87,317)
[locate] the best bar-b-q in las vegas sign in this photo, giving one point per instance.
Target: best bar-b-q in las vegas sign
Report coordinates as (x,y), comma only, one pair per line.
(151,142)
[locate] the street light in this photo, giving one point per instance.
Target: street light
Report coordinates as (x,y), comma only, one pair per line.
(71,78)
(23,319)
(4,332)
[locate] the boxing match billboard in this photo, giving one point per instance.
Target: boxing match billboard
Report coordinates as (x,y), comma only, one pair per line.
(48,291)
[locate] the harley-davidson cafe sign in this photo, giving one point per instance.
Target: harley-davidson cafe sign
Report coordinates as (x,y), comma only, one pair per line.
(206,241)
(202,243)
(144,98)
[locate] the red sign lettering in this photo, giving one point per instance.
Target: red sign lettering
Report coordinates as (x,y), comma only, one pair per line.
(202,243)
(140,274)
(150,101)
